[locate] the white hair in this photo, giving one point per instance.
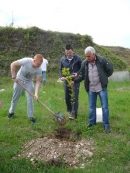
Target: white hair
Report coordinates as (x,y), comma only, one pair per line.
(89,49)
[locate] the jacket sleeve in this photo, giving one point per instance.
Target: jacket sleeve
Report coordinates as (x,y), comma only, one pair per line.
(80,76)
(108,67)
(80,63)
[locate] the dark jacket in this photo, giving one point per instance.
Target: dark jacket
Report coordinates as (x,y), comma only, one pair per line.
(105,69)
(74,65)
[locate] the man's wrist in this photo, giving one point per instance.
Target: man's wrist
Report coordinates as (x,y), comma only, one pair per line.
(14,77)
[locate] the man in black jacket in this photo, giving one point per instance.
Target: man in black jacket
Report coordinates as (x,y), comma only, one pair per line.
(95,71)
(70,64)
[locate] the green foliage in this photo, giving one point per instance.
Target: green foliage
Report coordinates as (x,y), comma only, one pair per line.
(17,43)
(50,39)
(118,63)
(86,40)
(13,53)
(27,37)
(4,38)
(123,53)
(30,35)
(69,78)
(66,71)
(82,41)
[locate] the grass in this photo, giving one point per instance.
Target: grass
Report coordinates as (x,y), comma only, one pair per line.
(112,151)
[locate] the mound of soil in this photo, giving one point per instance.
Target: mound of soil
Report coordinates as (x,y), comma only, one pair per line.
(61,147)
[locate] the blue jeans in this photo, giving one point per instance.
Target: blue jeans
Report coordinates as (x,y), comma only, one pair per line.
(92,96)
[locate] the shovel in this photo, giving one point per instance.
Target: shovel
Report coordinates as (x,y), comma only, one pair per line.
(59,118)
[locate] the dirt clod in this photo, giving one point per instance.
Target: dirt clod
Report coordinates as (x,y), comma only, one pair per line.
(67,134)
(64,146)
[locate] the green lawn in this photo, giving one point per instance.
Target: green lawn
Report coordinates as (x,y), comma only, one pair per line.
(112,151)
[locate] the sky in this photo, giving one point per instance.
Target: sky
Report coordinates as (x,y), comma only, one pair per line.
(106,21)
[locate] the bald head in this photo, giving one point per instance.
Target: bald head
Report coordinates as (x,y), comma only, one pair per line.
(38,59)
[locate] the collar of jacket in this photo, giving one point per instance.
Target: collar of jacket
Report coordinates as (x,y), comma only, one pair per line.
(72,56)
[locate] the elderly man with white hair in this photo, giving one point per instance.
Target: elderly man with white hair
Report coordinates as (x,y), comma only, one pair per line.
(95,71)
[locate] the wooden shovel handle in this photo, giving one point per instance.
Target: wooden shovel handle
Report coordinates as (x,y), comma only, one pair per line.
(37,99)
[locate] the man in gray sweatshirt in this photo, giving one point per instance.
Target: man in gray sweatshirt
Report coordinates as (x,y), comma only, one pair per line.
(28,68)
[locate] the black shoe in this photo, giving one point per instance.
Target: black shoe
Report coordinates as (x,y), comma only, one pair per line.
(73,115)
(10,115)
(107,129)
(32,120)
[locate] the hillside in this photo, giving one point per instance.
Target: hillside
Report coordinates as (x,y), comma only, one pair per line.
(16,43)
(122,52)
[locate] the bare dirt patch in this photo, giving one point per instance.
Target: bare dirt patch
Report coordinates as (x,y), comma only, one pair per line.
(61,147)
(123,89)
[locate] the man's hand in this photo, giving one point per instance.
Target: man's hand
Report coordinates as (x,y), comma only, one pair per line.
(35,97)
(71,83)
(15,80)
(75,75)
(62,78)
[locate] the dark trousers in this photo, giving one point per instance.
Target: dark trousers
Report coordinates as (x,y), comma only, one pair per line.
(71,99)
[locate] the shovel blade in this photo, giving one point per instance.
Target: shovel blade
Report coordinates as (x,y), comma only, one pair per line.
(60,119)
